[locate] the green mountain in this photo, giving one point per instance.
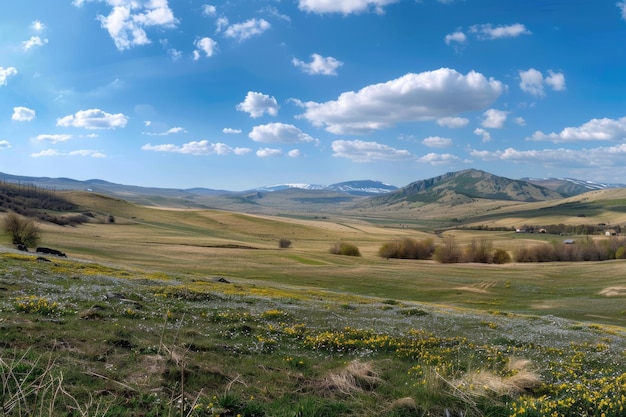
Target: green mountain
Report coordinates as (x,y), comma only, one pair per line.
(464,186)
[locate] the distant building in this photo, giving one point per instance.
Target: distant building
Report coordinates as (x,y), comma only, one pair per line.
(610,232)
(569,241)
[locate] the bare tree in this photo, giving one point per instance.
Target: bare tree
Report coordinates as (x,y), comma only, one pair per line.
(23,230)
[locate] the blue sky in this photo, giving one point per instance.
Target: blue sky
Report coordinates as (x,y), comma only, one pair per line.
(245,93)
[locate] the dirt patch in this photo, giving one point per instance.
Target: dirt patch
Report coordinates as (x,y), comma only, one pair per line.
(613,292)
(478,288)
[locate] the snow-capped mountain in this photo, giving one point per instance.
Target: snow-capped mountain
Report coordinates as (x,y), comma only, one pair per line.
(571,186)
(362,187)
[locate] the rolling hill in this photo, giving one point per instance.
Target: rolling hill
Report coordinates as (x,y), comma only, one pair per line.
(465,186)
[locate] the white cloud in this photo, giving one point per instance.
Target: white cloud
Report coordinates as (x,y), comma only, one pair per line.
(93,119)
(319,65)
(37,26)
(32,42)
(279,133)
(556,80)
(622,7)
(273,11)
(208,10)
(4,144)
(53,138)
(295,153)
(128,20)
(269,153)
(5,73)
(593,130)
(437,142)
(175,54)
(439,159)
(247,29)
(520,121)
(494,119)
(413,97)
(361,151)
(197,148)
(456,37)
(206,45)
(256,104)
(482,132)
(80,152)
(221,23)
(488,31)
(532,81)
(343,6)
(231,131)
(23,114)
(171,131)
(607,159)
(452,122)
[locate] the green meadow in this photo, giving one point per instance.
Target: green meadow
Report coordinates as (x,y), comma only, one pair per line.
(179,312)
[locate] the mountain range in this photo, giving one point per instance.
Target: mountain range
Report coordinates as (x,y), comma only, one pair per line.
(452,187)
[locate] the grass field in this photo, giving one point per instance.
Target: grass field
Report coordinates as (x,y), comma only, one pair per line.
(200,313)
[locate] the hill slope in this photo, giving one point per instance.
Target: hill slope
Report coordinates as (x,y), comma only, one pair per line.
(464,186)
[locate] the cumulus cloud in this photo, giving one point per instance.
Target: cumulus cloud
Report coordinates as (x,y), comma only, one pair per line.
(439,158)
(206,46)
(319,65)
(279,133)
(622,7)
(609,159)
(269,153)
(231,131)
(437,142)
(490,32)
(93,119)
(4,144)
(32,42)
(208,10)
(56,138)
(494,119)
(5,73)
(455,38)
(295,153)
(257,104)
(361,151)
(81,152)
(171,131)
(128,20)
(452,122)
(197,148)
(532,81)
(593,130)
(247,29)
(483,133)
(412,97)
(343,6)
(23,114)
(37,26)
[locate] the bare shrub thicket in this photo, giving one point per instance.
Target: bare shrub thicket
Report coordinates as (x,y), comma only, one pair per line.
(449,252)
(408,248)
(23,231)
(346,249)
(581,250)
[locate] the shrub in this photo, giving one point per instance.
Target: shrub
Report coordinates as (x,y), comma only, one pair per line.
(479,251)
(500,256)
(449,252)
(284,243)
(23,230)
(407,248)
(620,253)
(346,249)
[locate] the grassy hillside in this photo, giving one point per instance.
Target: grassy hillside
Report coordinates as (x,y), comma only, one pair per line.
(201,313)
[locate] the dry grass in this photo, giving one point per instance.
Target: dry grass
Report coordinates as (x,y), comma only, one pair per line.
(356,377)
(519,378)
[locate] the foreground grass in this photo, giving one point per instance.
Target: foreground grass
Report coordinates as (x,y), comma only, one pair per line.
(87,339)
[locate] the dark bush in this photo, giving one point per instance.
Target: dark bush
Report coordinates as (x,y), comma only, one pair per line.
(346,249)
(408,248)
(500,256)
(23,230)
(284,243)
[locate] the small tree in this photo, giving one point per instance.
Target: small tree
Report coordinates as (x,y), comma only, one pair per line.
(284,243)
(346,249)
(23,230)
